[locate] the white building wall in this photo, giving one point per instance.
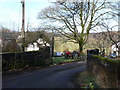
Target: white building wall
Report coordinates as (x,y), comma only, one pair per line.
(34,47)
(114,48)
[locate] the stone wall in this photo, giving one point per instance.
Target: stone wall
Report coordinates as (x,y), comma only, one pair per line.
(15,61)
(106,71)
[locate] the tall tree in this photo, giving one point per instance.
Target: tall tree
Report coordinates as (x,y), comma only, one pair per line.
(74,19)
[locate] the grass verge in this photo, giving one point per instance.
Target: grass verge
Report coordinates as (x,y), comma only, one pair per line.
(60,60)
(83,80)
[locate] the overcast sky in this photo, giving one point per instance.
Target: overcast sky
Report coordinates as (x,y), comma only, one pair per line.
(11,12)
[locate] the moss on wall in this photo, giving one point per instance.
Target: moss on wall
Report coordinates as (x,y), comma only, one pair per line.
(111,61)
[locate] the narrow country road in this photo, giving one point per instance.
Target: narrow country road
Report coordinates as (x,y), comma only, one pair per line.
(54,77)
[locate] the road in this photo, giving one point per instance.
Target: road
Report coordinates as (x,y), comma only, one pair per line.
(54,77)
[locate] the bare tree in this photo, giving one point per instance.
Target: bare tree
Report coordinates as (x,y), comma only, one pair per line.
(8,40)
(112,32)
(74,19)
(33,37)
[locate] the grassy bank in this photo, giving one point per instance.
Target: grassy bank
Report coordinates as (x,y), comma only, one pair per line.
(84,80)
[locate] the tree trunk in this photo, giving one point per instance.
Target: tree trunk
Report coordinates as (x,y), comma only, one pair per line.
(80,47)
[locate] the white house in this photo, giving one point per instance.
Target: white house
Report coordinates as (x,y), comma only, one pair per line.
(34,46)
(114,48)
(1,42)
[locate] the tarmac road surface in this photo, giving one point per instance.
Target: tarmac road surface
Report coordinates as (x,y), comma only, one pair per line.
(54,77)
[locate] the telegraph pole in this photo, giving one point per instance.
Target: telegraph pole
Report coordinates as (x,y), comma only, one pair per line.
(52,44)
(23,25)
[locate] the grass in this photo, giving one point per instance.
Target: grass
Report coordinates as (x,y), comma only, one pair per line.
(59,60)
(84,80)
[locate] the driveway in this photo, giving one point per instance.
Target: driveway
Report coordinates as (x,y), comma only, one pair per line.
(54,77)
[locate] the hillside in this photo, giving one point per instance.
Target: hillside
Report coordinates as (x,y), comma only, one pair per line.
(95,40)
